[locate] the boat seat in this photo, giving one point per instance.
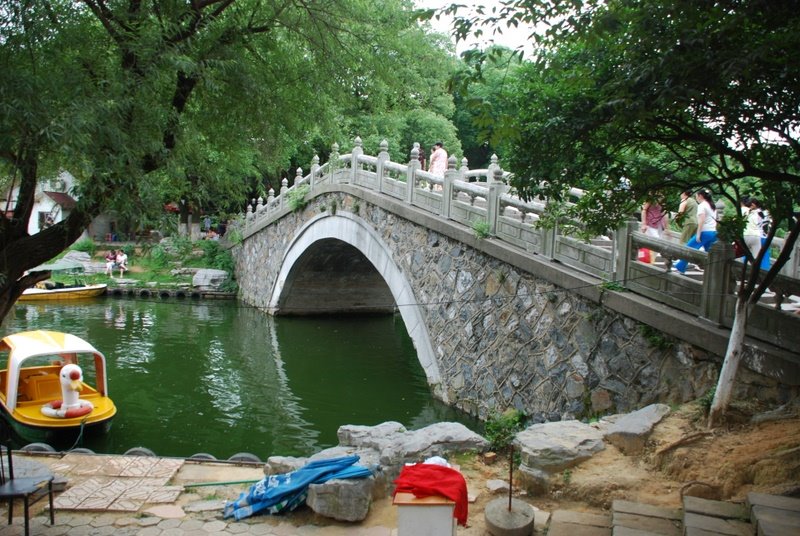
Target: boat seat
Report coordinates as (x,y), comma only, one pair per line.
(41,386)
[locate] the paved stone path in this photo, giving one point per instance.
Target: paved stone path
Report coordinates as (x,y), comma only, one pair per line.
(149,496)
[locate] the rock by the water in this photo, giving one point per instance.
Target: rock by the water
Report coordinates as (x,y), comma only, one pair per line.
(555,446)
(209,279)
(342,499)
(630,432)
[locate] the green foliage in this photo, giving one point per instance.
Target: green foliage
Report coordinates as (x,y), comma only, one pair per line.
(616,286)
(481,229)
(234,236)
(296,197)
(707,399)
(656,338)
(612,105)
(86,245)
(158,256)
(566,476)
(183,247)
(215,256)
(197,103)
(501,428)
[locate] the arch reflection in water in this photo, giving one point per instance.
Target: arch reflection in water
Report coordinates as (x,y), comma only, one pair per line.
(222,378)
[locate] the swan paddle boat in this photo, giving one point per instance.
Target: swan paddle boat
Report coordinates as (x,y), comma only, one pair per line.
(45,389)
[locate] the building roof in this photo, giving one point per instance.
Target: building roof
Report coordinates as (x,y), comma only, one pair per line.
(65,200)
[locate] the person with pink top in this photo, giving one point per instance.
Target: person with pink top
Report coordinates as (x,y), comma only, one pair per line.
(438,163)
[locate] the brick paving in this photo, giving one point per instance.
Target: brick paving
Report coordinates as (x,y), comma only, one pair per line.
(150,496)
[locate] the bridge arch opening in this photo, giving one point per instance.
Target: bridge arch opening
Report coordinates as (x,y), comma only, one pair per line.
(338,264)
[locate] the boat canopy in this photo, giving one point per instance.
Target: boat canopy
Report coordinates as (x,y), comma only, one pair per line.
(60,265)
(25,345)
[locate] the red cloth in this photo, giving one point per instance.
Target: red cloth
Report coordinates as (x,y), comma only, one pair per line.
(424,480)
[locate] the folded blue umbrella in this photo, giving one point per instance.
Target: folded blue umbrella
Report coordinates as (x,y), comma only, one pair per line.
(276,494)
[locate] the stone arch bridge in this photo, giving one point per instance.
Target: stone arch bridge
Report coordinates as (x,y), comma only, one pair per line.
(502,313)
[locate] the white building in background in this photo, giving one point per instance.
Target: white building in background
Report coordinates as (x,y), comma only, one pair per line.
(53,201)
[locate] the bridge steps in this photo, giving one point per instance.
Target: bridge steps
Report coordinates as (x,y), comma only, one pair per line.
(760,515)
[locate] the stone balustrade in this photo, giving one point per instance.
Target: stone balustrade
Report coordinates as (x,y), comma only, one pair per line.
(483,199)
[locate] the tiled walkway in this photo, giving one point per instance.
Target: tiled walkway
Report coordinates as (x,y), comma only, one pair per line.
(149,496)
(116,483)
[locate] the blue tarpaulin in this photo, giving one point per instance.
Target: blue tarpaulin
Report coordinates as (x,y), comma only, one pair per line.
(276,494)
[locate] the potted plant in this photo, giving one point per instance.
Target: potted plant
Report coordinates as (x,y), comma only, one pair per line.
(507,517)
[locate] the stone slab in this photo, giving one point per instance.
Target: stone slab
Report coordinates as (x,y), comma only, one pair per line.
(694,531)
(627,531)
(580,518)
(771,528)
(773,501)
(630,507)
(572,529)
(761,514)
(657,525)
(722,509)
(715,525)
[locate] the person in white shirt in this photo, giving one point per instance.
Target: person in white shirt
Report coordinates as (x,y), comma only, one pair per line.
(706,233)
(752,229)
(122,262)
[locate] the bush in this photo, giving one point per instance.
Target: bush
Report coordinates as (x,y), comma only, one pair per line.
(296,197)
(501,428)
(159,256)
(216,257)
(481,228)
(86,245)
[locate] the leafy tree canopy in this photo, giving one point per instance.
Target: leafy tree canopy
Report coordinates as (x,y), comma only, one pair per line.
(142,100)
(653,95)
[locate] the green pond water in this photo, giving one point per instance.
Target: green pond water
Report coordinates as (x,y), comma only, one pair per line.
(223,378)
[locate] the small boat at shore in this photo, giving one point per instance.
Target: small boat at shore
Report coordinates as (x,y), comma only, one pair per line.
(63,292)
(56,290)
(46,391)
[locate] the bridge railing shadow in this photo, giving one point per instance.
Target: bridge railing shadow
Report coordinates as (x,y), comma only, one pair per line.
(483,197)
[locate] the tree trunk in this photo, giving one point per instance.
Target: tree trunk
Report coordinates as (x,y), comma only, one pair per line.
(730,365)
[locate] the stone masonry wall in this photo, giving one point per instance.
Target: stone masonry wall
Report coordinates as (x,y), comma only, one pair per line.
(506,338)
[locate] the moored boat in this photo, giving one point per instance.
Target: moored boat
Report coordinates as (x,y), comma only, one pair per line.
(42,396)
(71,292)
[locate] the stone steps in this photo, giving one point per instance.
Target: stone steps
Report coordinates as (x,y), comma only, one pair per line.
(761,515)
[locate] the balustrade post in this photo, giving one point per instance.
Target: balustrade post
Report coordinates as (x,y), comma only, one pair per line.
(312,180)
(259,205)
(493,165)
(355,166)
(411,173)
(248,217)
(284,189)
(298,177)
(270,198)
(622,251)
(716,282)
(496,190)
(333,161)
(383,157)
(549,236)
(447,186)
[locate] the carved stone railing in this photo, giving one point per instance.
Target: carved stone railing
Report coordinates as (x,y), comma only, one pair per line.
(483,197)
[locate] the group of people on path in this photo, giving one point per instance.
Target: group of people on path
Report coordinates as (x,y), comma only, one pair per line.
(697,217)
(116,259)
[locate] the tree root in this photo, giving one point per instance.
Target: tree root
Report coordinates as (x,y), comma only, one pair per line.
(691,483)
(682,441)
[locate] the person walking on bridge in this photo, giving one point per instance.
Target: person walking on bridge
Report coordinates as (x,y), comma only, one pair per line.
(706,233)
(438,160)
(687,216)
